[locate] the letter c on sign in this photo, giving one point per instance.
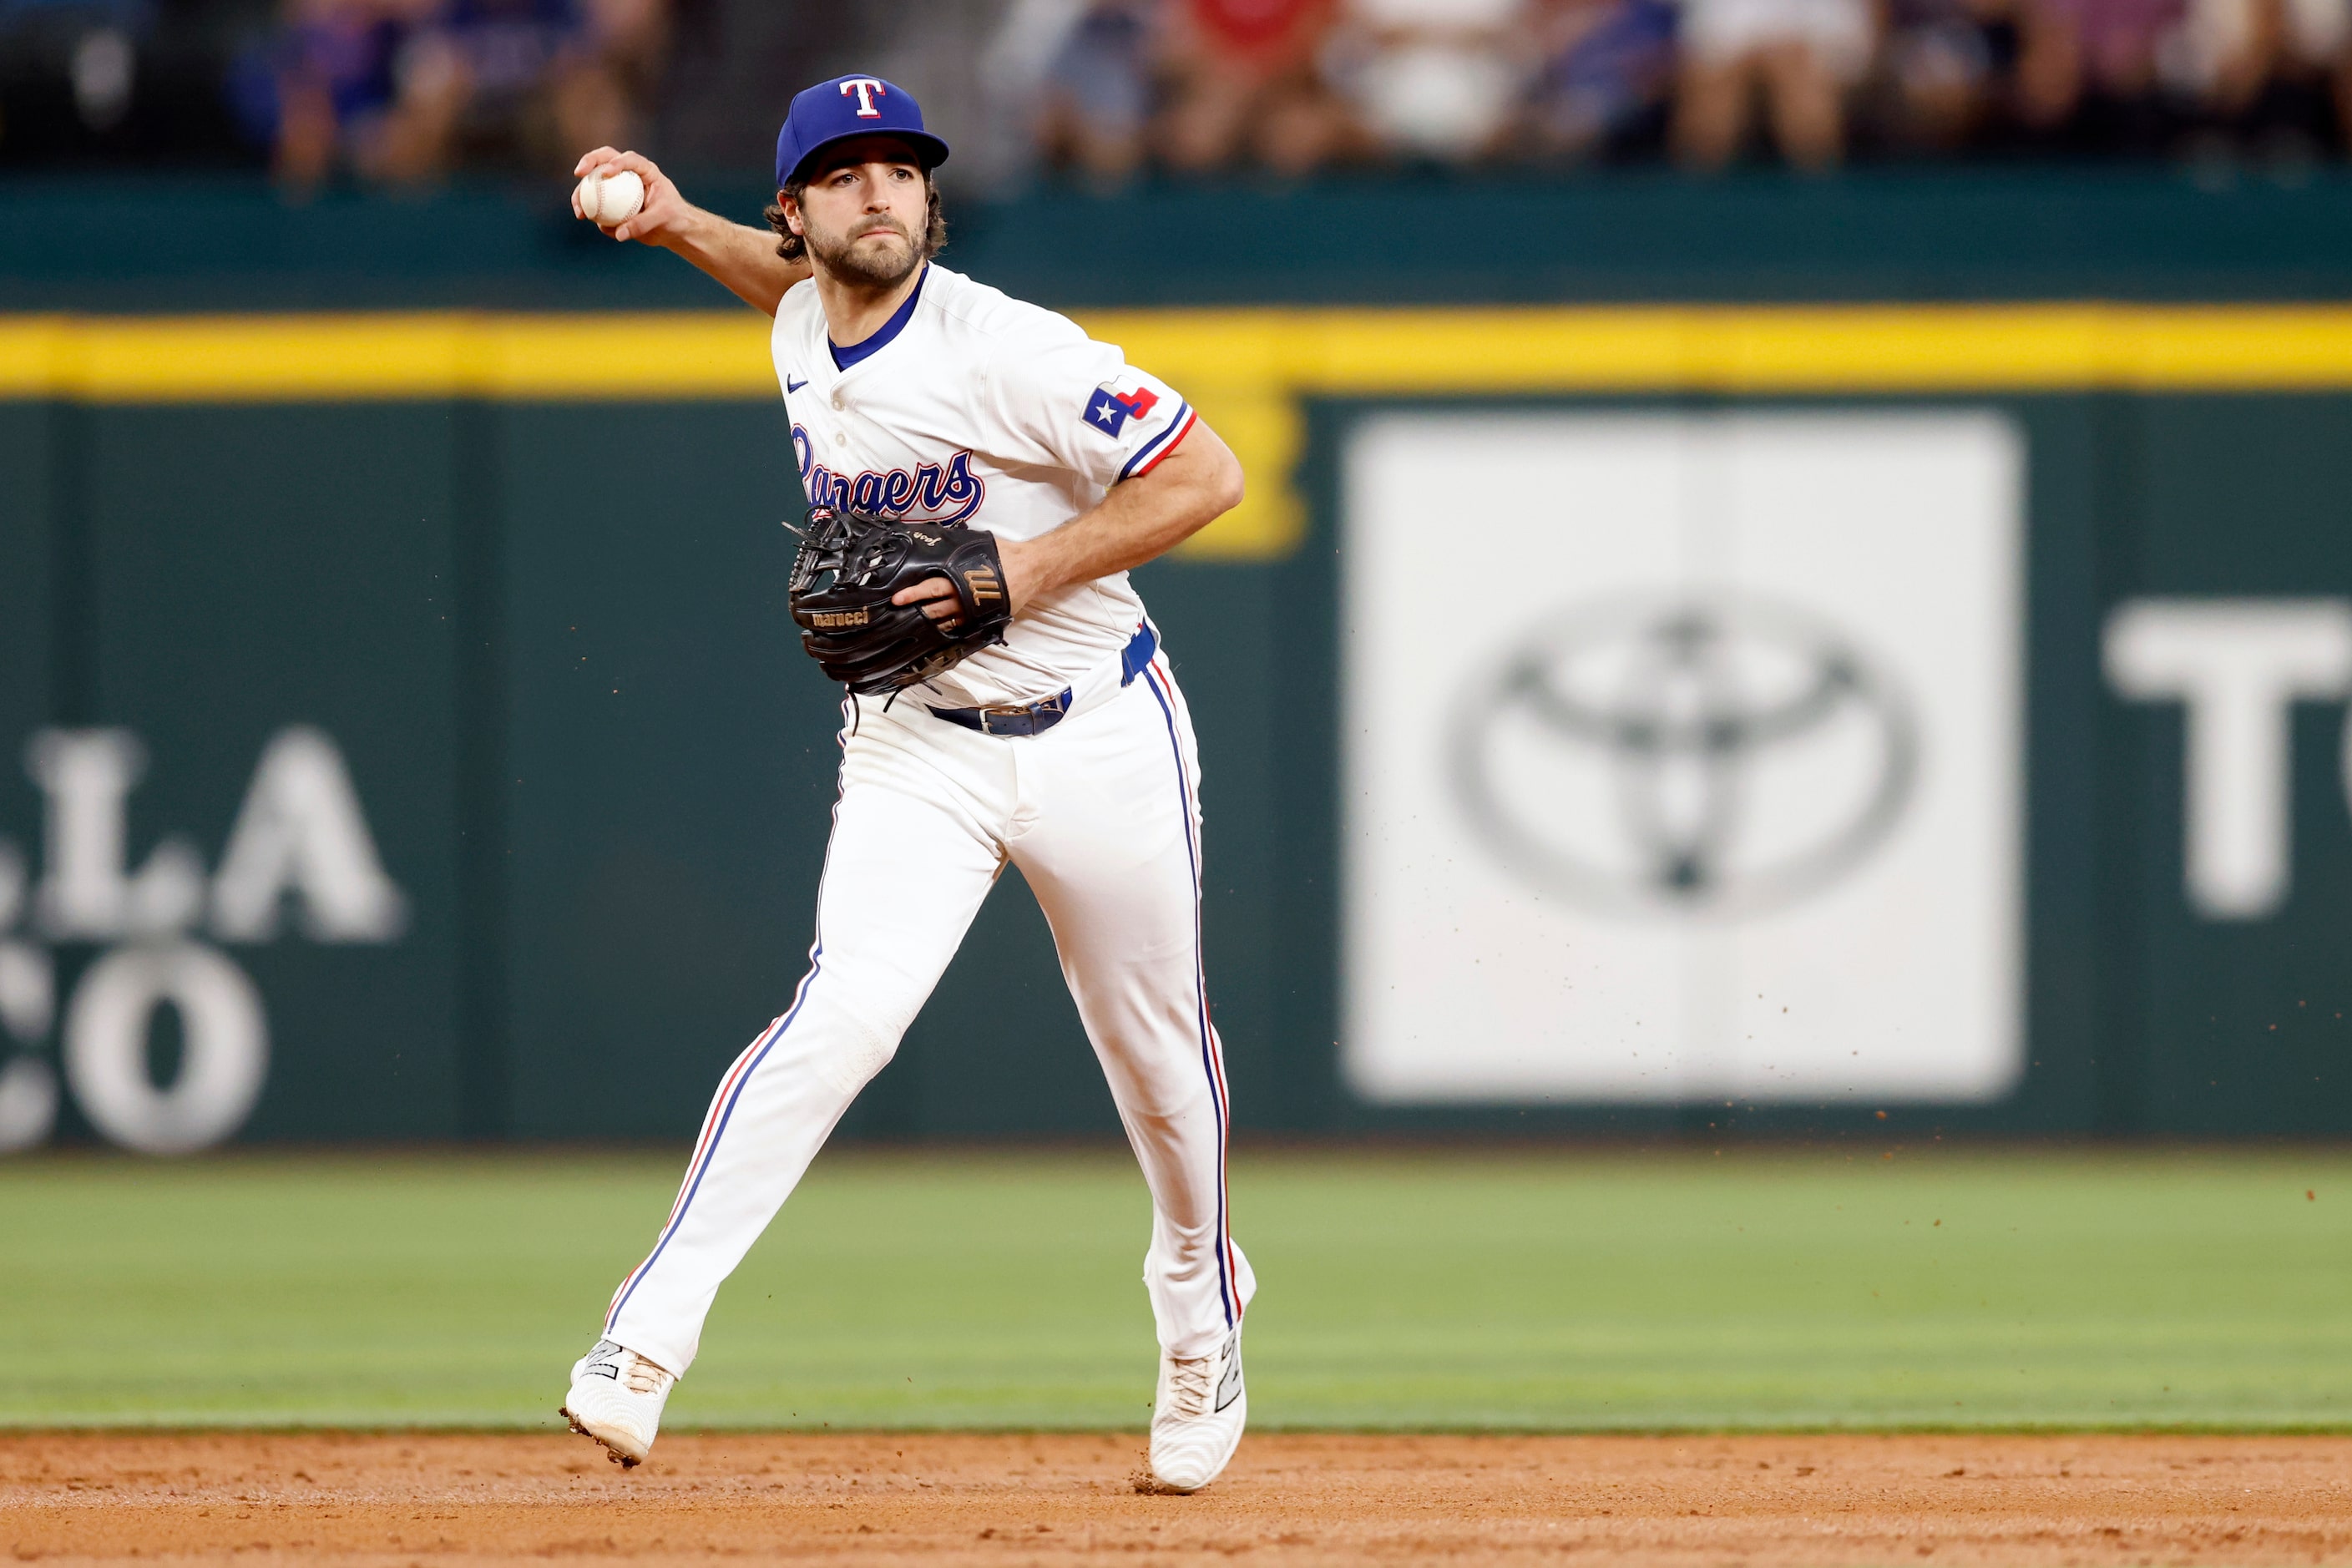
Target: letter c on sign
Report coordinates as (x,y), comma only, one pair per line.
(226,1057)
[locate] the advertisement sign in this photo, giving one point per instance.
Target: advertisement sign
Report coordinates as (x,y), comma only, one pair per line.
(227,827)
(1707,782)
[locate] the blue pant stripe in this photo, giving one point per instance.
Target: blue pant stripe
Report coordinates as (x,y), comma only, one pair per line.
(817,963)
(1200,996)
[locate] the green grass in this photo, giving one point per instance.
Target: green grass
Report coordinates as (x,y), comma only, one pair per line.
(1520,1291)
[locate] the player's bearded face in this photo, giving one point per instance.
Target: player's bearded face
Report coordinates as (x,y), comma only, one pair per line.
(850,238)
(878,251)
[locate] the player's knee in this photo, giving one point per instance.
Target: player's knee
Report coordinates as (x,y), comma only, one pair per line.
(847,1048)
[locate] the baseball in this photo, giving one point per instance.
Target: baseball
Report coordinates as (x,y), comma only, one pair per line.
(614,198)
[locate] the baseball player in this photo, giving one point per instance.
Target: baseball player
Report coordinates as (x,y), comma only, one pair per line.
(1063,747)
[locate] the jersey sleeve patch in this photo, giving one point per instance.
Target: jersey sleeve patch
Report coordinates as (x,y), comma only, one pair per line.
(1109,409)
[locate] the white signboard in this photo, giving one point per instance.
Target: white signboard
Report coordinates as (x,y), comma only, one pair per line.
(1701,778)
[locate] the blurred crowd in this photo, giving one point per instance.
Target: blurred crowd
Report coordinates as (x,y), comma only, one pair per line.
(1106,91)
(402,90)
(1296,86)
(393,91)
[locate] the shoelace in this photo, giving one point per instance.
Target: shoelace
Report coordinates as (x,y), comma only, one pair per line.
(1188,1384)
(641,1376)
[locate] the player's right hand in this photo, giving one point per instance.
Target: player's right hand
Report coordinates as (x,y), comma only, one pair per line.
(665,212)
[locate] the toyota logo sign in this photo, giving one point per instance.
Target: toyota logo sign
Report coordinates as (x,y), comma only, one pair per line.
(1707,730)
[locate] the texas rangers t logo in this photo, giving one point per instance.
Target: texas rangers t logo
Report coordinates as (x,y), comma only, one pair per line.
(1108,411)
(867,89)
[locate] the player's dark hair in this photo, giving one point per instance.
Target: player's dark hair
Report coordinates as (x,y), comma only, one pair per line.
(792,248)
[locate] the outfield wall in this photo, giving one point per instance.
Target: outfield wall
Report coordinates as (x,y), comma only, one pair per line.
(409,702)
(1924,232)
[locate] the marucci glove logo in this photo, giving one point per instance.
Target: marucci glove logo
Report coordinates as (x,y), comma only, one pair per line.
(983,586)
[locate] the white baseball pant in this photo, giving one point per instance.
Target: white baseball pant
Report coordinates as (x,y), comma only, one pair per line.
(1101,813)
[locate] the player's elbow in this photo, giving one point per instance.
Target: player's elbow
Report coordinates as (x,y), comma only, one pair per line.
(1222,482)
(1199,483)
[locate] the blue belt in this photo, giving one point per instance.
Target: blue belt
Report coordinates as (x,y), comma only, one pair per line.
(1037,718)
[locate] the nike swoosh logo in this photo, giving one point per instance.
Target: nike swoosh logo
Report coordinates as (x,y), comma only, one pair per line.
(1229,1387)
(792,386)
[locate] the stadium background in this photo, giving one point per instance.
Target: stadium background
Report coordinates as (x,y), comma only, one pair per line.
(603,794)
(423,467)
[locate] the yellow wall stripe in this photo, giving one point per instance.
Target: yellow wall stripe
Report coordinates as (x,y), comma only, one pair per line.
(243,359)
(1245,369)
(1781,350)
(206,359)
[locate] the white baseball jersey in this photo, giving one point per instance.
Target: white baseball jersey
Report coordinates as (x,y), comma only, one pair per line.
(975,408)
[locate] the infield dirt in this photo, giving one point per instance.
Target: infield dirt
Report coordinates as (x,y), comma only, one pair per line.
(979,1499)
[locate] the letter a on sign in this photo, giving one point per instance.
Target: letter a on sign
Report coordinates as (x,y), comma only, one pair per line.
(301,831)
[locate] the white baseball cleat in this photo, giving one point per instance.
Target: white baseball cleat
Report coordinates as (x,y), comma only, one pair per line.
(617,1398)
(1196,1422)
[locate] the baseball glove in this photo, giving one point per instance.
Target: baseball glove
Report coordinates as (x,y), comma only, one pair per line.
(849,565)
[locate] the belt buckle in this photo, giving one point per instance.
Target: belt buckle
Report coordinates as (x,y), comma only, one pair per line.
(1012,712)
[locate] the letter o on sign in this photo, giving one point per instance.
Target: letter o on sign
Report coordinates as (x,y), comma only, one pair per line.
(225,1056)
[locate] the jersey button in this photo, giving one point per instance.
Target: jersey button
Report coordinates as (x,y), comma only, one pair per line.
(836,400)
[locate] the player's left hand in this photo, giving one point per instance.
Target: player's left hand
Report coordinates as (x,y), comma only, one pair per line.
(938,596)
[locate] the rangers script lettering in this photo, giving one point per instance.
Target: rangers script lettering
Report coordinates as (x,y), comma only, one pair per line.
(932,493)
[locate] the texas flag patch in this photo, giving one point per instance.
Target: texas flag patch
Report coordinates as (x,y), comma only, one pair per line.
(1108,410)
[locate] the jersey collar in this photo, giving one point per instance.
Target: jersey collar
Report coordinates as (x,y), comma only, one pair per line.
(843,358)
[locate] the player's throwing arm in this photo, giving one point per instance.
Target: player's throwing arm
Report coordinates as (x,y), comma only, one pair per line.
(981,477)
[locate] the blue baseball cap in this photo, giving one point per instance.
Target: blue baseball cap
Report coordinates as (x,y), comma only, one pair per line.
(850,106)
